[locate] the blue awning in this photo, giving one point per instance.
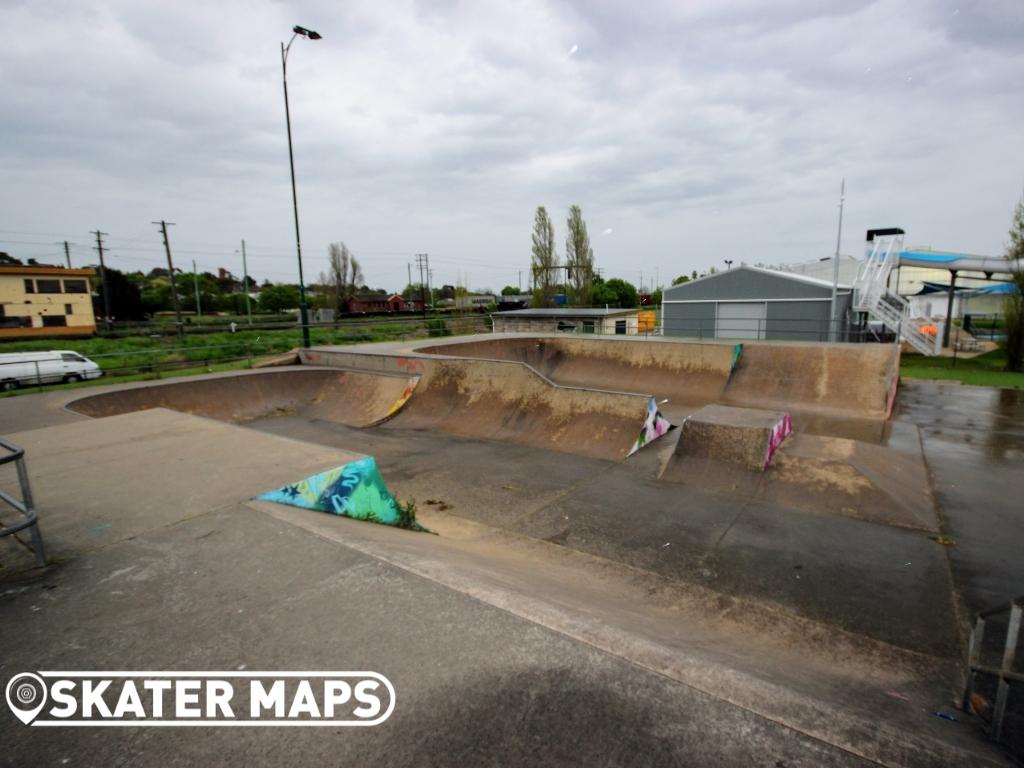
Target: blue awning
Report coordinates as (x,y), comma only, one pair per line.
(938,258)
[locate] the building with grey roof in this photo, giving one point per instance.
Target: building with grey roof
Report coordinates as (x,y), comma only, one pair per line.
(755,303)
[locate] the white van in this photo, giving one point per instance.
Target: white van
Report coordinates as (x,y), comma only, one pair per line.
(30,368)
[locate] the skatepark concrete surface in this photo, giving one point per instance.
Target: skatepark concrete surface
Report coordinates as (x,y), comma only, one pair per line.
(574,607)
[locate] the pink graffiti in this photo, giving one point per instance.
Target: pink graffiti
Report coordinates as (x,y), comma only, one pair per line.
(411,364)
(780,432)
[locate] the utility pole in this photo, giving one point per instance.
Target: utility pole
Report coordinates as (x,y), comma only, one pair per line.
(67,253)
(245,284)
(195,282)
(170,269)
(430,283)
(835,265)
(422,263)
(103,277)
(408,273)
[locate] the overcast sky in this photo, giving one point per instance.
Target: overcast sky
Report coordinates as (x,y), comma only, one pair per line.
(689,132)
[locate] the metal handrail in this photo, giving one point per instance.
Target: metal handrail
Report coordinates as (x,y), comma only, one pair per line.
(25,504)
(1004,672)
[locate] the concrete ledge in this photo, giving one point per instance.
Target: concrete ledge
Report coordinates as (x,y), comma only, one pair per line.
(737,436)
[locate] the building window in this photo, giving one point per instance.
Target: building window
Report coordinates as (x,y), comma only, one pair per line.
(54,321)
(48,286)
(30,286)
(76,286)
(68,309)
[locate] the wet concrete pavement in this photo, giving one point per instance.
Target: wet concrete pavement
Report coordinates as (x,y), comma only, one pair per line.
(973,441)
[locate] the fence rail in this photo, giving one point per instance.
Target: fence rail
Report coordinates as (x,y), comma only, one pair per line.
(201,327)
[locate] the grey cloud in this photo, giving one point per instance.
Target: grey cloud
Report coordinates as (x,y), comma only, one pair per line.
(440,126)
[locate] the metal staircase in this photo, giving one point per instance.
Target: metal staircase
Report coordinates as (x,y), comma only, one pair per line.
(871,295)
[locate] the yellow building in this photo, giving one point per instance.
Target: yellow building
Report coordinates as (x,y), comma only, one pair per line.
(45,301)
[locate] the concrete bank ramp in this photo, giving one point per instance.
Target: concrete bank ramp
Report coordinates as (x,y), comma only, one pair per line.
(841,380)
(690,374)
(345,397)
(822,475)
(812,381)
(506,401)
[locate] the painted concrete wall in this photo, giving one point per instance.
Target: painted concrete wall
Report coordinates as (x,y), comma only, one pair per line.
(33,299)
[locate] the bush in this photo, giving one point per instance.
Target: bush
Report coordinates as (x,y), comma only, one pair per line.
(1015,331)
(438,327)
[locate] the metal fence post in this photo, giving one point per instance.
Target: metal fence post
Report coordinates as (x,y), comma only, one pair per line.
(973,655)
(25,505)
(1009,652)
(26,497)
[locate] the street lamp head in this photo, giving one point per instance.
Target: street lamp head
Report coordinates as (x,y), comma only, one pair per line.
(306,32)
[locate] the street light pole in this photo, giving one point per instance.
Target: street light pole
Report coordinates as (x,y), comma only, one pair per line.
(303,308)
(834,336)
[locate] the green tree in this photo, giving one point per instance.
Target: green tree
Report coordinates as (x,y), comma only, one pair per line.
(156,297)
(579,256)
(625,292)
(209,291)
(544,263)
(277,298)
(601,295)
(345,275)
(682,279)
(1014,306)
(510,290)
(614,293)
(125,297)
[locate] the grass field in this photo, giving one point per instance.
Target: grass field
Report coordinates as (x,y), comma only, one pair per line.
(988,370)
(159,355)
